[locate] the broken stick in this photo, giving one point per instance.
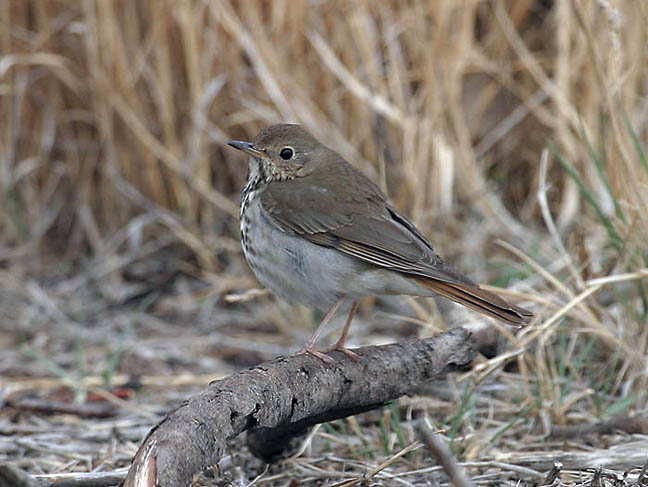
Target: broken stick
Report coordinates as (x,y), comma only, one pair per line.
(281,399)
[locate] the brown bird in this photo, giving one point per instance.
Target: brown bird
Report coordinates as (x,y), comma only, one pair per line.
(317,231)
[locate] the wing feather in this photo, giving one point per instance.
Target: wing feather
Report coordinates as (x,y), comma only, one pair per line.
(366,227)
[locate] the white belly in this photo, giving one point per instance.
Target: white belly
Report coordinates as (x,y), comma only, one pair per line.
(291,267)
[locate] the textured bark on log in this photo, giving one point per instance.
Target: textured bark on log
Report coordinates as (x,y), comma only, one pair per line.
(281,399)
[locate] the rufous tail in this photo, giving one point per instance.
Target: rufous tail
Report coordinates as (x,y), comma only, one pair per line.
(480,300)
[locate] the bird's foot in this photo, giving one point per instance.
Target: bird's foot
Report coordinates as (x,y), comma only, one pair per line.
(346,351)
(309,350)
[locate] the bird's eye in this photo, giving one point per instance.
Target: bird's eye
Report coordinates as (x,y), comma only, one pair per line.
(286,153)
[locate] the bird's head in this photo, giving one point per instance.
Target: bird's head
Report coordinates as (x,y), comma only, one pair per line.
(283,151)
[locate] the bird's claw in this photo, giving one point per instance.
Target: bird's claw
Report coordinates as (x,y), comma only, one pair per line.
(316,353)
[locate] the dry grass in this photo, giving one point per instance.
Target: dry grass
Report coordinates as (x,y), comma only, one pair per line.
(513,133)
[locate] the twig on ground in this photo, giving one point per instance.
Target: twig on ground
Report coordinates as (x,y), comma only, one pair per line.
(84,479)
(553,474)
(11,476)
(87,410)
(443,455)
(637,424)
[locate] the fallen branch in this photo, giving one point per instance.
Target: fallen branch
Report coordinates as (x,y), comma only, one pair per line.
(281,399)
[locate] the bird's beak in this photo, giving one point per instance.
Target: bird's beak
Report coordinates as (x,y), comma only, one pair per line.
(246,147)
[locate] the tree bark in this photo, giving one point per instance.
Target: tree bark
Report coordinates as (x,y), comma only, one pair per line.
(279,400)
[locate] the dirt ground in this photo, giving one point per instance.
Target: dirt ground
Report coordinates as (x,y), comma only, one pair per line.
(513,134)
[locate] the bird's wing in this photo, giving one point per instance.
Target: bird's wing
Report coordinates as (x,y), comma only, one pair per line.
(358,223)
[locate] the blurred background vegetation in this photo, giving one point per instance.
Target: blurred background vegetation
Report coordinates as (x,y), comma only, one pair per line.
(512,132)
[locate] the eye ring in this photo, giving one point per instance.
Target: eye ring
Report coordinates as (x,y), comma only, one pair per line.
(287,153)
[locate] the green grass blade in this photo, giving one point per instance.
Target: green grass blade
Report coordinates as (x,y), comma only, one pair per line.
(641,151)
(600,168)
(615,238)
(463,408)
(396,424)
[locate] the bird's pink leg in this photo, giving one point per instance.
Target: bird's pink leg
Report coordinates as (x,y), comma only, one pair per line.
(310,344)
(340,343)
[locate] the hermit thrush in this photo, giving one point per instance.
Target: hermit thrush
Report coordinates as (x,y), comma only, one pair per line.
(316,231)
